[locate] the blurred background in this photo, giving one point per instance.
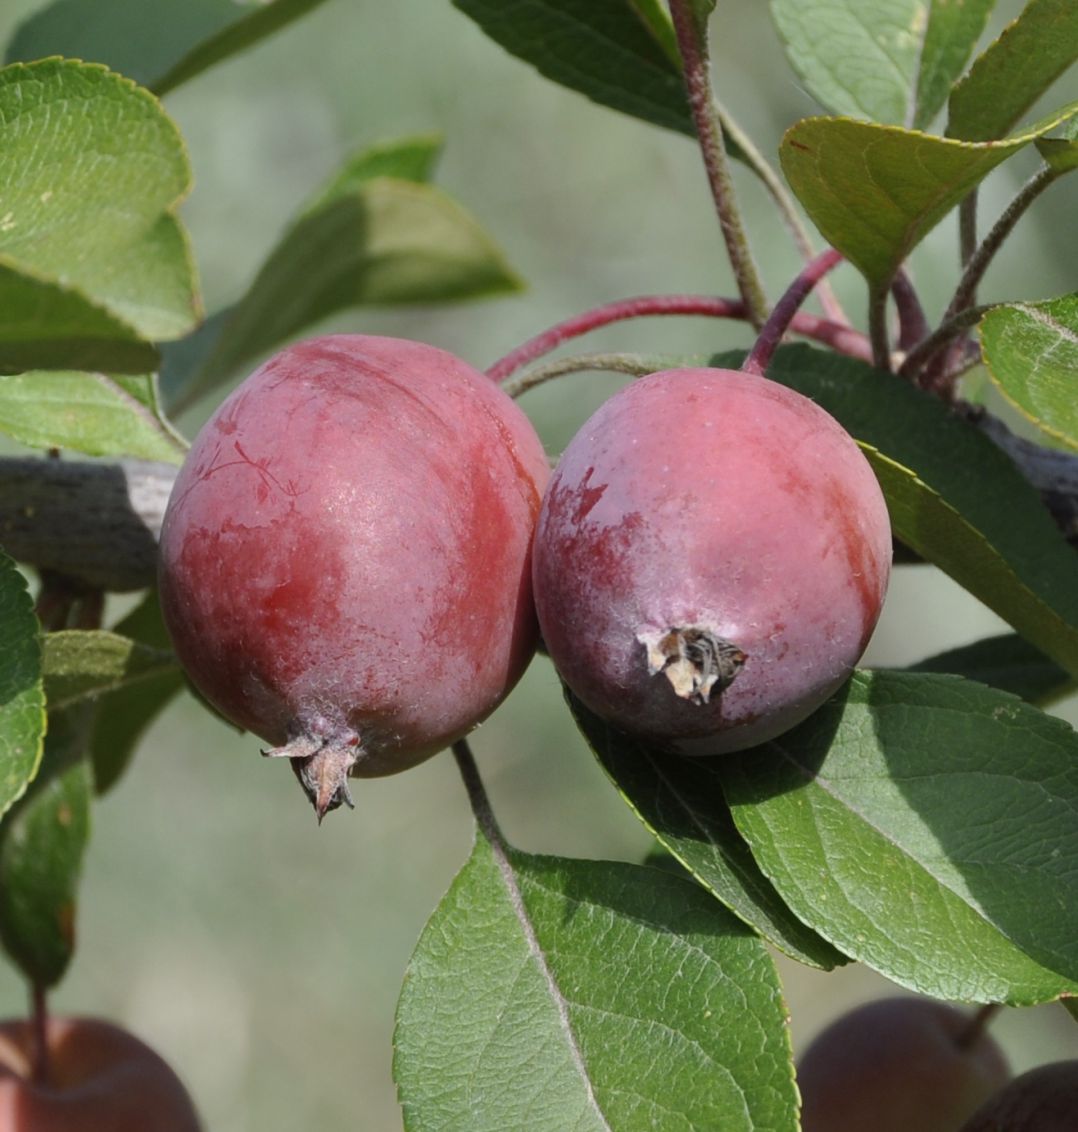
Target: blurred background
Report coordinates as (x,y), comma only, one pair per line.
(260,954)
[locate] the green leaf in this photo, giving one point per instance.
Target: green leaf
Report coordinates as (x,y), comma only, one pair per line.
(92,258)
(953,495)
(382,242)
(124,717)
(1031,353)
(926,826)
(890,61)
(22,700)
(954,26)
(680,801)
(89,412)
(159,45)
(924,520)
(411,158)
(47,325)
(551,994)
(41,848)
(1009,77)
(875,192)
(83,664)
(1006,662)
(1060,154)
(612,51)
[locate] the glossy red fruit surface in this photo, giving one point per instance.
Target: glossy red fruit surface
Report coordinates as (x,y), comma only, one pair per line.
(1044,1099)
(711,558)
(897,1065)
(345,556)
(101,1079)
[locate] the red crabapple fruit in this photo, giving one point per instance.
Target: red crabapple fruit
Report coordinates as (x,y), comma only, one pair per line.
(100,1079)
(897,1065)
(1044,1099)
(711,558)
(345,558)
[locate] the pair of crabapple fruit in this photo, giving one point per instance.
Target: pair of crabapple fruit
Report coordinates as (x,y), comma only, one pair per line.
(362,547)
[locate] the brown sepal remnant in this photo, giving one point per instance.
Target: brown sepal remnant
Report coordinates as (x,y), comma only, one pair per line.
(695,660)
(322,768)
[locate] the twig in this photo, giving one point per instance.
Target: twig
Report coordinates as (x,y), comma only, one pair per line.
(977,264)
(841,338)
(782,316)
(695,62)
(784,202)
(912,324)
(916,360)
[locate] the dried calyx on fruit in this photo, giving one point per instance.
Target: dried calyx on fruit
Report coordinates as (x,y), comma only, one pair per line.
(710,561)
(345,557)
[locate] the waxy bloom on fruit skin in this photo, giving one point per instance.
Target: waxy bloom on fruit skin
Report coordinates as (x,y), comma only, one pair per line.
(345,557)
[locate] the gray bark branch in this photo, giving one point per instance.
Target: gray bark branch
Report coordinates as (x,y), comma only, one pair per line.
(98,524)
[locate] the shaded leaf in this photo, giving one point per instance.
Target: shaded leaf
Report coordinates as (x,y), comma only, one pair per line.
(927,523)
(48,325)
(128,712)
(42,842)
(1009,77)
(1031,353)
(410,158)
(890,61)
(384,242)
(875,191)
(83,664)
(556,994)
(680,801)
(22,700)
(612,51)
(92,258)
(89,412)
(926,825)
(1006,662)
(159,45)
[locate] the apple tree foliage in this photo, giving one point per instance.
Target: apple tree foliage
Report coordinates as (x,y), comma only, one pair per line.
(923,822)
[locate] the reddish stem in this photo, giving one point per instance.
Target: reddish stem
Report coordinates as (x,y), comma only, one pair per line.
(839,337)
(912,324)
(782,315)
(41,1064)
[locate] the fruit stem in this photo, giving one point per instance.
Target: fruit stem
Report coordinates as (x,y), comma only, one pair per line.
(636,365)
(782,316)
(40,1064)
(838,336)
(479,800)
(912,323)
(978,1024)
(692,43)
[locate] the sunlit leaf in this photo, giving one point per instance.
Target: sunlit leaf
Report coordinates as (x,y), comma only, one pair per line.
(926,826)
(1031,353)
(550,994)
